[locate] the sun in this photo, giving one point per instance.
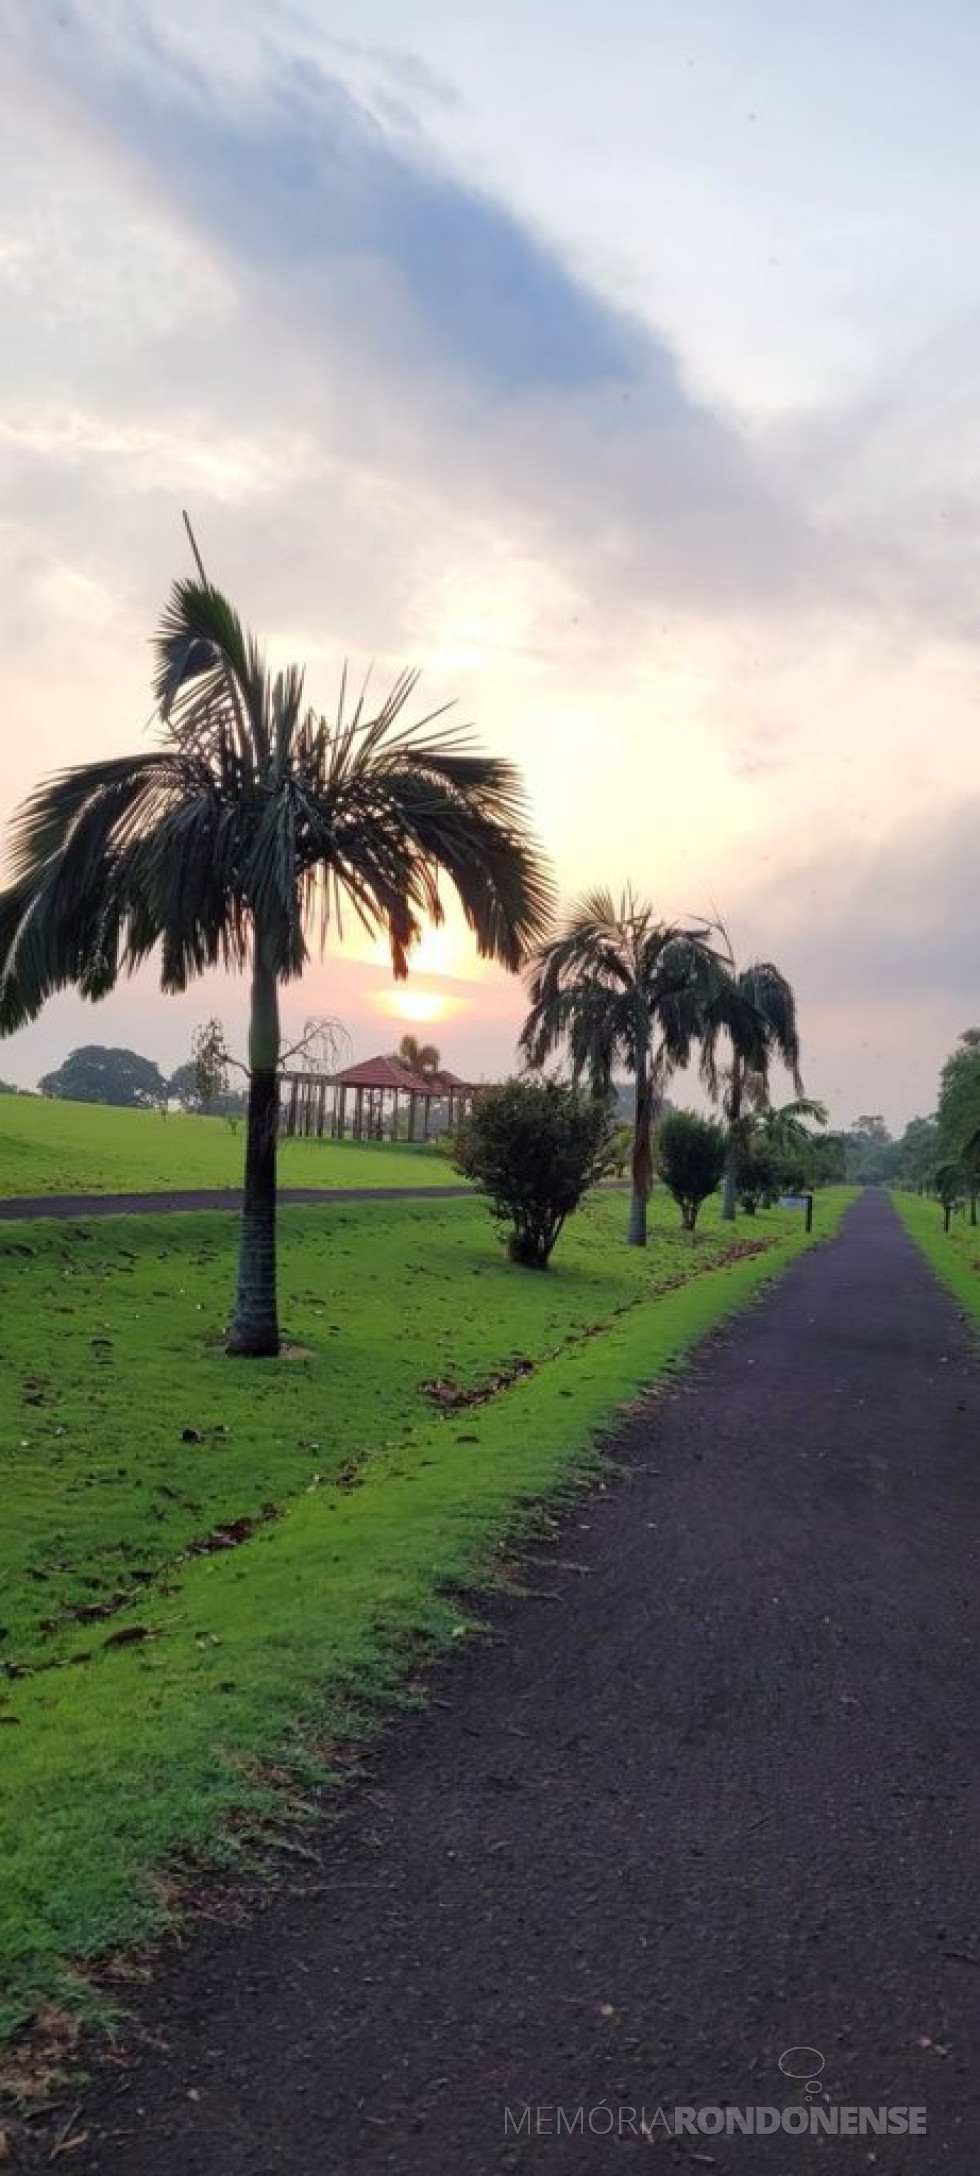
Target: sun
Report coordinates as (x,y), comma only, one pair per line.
(422,1007)
(447,951)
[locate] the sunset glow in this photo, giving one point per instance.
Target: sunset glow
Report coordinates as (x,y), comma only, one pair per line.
(407,1002)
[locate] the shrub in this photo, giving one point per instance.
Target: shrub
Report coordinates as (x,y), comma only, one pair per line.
(761,1174)
(691,1156)
(534,1147)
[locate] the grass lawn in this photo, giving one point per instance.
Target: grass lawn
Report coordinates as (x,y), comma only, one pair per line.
(50,1147)
(211,1569)
(954,1255)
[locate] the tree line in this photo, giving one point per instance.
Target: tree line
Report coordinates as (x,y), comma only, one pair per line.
(124,1079)
(939,1154)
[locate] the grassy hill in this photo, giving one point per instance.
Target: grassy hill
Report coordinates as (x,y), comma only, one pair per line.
(50,1147)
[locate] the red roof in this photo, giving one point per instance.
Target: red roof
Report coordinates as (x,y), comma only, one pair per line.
(389,1072)
(383,1073)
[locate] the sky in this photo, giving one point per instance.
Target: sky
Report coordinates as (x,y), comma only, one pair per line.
(616,366)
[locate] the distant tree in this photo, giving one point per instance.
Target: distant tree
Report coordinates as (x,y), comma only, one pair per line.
(7,1088)
(322,1045)
(616,985)
(95,1074)
(421,1058)
(870,1150)
(534,1147)
(182,1086)
(691,1157)
(210,1059)
(753,1014)
(201,1085)
(871,1127)
(828,1156)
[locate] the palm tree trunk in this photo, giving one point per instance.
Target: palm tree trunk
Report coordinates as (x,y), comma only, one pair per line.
(735,1112)
(636,1230)
(254,1331)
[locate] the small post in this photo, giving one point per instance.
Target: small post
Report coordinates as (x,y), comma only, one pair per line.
(809,1212)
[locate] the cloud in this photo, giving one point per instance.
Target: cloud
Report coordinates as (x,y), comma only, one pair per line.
(880,942)
(409,320)
(894,918)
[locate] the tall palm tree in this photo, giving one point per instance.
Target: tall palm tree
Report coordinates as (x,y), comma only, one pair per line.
(419,1057)
(754,1012)
(615,984)
(238,842)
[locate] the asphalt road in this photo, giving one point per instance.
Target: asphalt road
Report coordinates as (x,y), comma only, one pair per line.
(22,1208)
(708,1794)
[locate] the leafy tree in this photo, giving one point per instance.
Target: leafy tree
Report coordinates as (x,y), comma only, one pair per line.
(419,1057)
(950,1185)
(324,1043)
(958,1112)
(210,1059)
(870,1150)
(201,1085)
(237,841)
(534,1147)
(95,1074)
(828,1158)
(617,985)
(918,1151)
(753,1015)
(182,1086)
(691,1155)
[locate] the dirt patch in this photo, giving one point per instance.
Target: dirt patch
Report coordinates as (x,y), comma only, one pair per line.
(450,1397)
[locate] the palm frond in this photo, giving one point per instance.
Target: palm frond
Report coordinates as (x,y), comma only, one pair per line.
(257,816)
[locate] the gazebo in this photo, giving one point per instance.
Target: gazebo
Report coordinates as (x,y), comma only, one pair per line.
(380,1090)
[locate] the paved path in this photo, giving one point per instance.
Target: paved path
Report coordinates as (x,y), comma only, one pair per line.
(711,1792)
(20,1207)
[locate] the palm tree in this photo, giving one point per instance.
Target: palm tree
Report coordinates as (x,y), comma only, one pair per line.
(617,984)
(785,1125)
(419,1057)
(238,842)
(755,1012)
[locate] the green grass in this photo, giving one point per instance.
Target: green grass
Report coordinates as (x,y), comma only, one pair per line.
(129,1438)
(954,1255)
(50,1147)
